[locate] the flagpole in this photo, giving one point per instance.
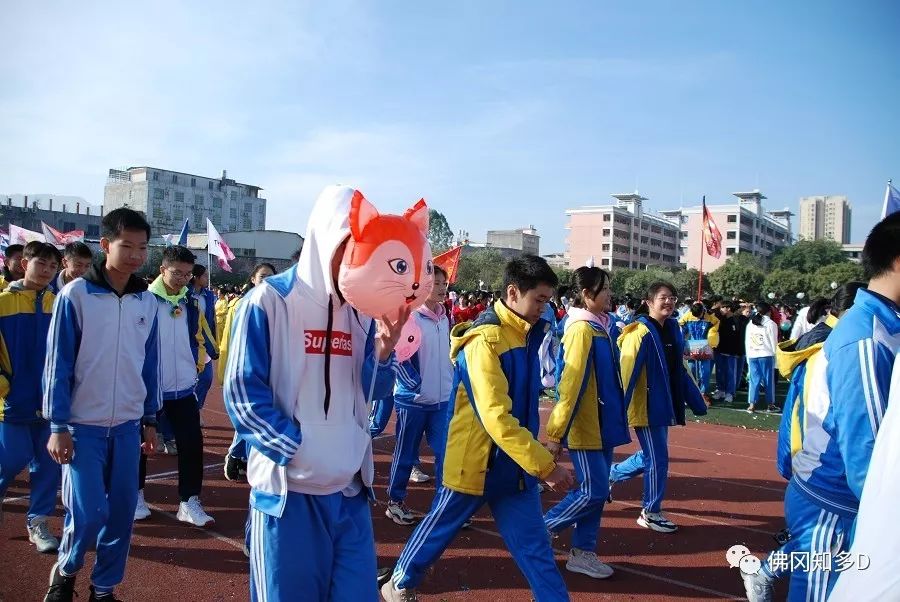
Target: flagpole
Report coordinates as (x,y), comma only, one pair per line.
(702,244)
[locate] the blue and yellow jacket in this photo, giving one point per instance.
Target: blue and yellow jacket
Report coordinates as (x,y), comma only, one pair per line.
(646,376)
(697,329)
(492,445)
(590,413)
(796,361)
(24,323)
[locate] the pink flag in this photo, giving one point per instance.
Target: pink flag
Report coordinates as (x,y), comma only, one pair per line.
(217,246)
(61,239)
(21,236)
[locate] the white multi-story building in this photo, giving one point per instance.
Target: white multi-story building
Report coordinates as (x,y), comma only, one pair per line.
(825,217)
(167,198)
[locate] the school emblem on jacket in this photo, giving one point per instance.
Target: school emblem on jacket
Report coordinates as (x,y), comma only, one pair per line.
(142,321)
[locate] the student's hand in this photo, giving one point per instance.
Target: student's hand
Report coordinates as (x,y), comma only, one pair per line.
(388,333)
(554,448)
(149,444)
(560,479)
(61,447)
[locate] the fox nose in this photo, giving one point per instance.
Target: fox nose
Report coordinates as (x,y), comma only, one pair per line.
(415,286)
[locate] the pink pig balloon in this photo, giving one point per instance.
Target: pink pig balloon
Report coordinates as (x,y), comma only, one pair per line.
(410,339)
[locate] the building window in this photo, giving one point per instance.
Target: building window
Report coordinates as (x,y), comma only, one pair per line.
(732,219)
(210,184)
(606,246)
(606,231)
(198,218)
(248,207)
(247,224)
(93,230)
(606,217)
(179,197)
(684,219)
(262,209)
(217,201)
(730,251)
(193,182)
(155,176)
(606,261)
(174,178)
(233,213)
(198,200)
(233,196)
(731,235)
(158,193)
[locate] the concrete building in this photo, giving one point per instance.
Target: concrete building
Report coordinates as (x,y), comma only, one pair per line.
(746,227)
(621,235)
(523,239)
(557,260)
(853,252)
(263,244)
(167,198)
(62,213)
(825,217)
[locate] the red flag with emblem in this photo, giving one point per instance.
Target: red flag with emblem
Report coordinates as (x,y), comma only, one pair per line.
(450,262)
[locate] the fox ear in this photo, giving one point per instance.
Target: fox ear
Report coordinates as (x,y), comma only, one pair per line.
(361,213)
(418,215)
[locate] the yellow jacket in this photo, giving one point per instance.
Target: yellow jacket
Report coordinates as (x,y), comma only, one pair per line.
(221,309)
(706,326)
(492,441)
(225,339)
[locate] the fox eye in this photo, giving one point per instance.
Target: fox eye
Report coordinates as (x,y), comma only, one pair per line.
(429,268)
(400,266)
(411,338)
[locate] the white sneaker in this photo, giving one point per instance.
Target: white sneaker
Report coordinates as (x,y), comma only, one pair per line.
(399,513)
(729,398)
(587,563)
(655,521)
(171,448)
(39,534)
(192,512)
(758,587)
(141,511)
(392,594)
(718,395)
(417,476)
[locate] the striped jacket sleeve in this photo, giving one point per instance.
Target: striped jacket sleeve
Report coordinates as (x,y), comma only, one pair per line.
(150,372)
(248,394)
(859,379)
(63,341)
(378,378)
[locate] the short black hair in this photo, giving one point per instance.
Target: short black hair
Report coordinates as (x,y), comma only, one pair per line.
(78,249)
(198,270)
(658,286)
(439,270)
(527,272)
(41,250)
(117,220)
(697,310)
(13,249)
(591,279)
(882,247)
(179,254)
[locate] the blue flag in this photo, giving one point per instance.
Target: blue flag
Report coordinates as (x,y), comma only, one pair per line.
(891,201)
(182,238)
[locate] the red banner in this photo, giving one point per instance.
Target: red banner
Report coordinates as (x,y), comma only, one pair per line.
(450,262)
(712,238)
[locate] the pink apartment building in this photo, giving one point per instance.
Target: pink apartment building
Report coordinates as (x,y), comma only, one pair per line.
(624,235)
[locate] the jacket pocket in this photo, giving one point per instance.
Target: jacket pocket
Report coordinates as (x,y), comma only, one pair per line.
(329,455)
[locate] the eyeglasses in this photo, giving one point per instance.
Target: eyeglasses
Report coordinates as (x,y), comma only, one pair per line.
(179,274)
(665,298)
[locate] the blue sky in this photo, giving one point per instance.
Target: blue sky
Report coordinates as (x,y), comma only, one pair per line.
(501,114)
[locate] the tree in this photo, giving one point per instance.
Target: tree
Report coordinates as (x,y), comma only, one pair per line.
(807,256)
(564,275)
(638,283)
(685,282)
(440,236)
(741,277)
(480,265)
(839,273)
(785,283)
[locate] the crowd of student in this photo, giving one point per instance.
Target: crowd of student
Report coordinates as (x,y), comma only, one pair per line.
(84,417)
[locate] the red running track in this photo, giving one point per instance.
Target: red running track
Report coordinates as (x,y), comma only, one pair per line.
(723,490)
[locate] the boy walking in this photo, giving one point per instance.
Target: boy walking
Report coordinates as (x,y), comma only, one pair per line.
(101,396)
(492,454)
(25,309)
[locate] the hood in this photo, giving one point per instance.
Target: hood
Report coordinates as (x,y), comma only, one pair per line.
(96,275)
(578,314)
(791,354)
(496,315)
(435,316)
(328,227)
(629,328)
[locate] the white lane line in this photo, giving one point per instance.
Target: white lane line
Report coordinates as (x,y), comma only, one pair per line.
(728,482)
(223,538)
(724,453)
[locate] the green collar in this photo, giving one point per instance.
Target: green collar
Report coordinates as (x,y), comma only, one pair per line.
(159,289)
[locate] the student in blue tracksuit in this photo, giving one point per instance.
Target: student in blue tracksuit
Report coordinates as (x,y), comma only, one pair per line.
(302,369)
(421,396)
(493,456)
(851,393)
(25,309)
(657,387)
(589,419)
(101,395)
(798,361)
(701,328)
(76,261)
(206,301)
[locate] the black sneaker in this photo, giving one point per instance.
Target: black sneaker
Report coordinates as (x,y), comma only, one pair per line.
(62,588)
(108,597)
(235,468)
(384,575)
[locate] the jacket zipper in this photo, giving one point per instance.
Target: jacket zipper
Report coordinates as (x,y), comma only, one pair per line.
(116,370)
(328,355)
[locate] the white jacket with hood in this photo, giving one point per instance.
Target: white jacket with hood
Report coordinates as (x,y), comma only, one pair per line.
(302,405)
